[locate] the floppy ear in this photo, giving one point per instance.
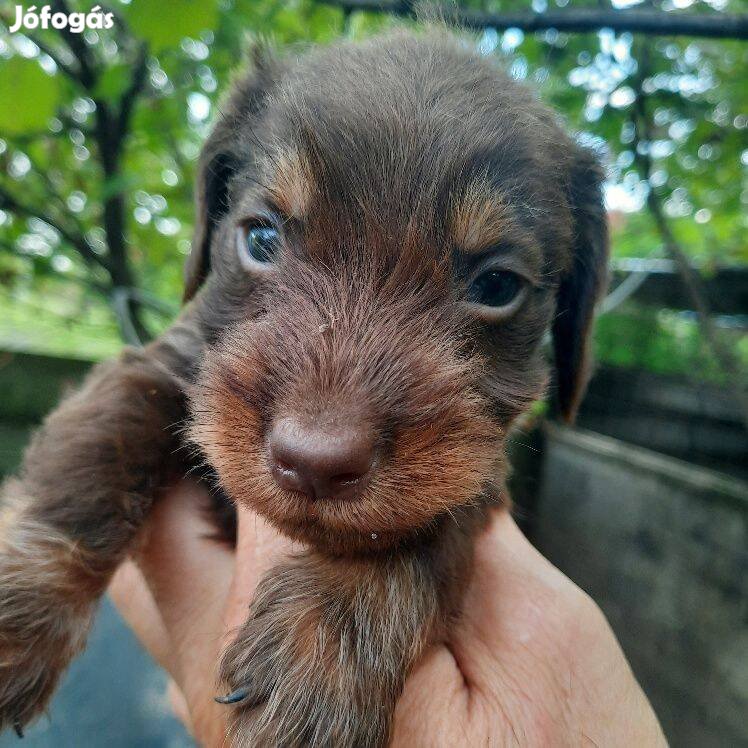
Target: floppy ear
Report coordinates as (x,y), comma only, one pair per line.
(583,284)
(227,148)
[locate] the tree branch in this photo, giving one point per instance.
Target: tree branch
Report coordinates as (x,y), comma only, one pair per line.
(64,67)
(112,124)
(31,137)
(43,174)
(82,73)
(130,95)
(112,121)
(78,47)
(711,25)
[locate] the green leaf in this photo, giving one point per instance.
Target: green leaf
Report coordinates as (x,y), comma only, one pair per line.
(165,23)
(33,93)
(113,82)
(117,185)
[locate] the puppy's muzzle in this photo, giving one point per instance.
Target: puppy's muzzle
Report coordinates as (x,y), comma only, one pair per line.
(330,461)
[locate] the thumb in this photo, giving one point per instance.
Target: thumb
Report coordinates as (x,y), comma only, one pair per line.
(259,547)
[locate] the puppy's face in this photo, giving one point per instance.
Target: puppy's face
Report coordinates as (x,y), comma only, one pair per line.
(388,232)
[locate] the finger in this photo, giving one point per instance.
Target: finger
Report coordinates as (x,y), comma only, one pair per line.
(189,577)
(179,705)
(531,638)
(259,547)
(130,594)
(433,707)
(511,578)
(188,573)
(511,601)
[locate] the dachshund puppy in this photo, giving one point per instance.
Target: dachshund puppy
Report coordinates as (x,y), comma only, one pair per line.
(386,232)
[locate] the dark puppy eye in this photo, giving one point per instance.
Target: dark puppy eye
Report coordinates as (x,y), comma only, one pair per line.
(258,244)
(496,289)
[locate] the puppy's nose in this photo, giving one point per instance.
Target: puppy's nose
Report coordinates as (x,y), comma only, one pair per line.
(321,462)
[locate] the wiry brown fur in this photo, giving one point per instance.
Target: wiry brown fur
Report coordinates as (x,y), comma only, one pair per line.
(399,168)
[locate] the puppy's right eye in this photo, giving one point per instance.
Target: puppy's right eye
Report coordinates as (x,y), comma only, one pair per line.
(497,293)
(257,244)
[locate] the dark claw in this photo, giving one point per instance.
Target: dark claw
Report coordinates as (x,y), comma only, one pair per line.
(234,697)
(17,727)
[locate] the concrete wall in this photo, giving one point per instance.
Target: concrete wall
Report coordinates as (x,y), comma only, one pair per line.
(663,548)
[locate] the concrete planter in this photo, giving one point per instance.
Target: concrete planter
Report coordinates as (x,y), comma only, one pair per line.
(662,546)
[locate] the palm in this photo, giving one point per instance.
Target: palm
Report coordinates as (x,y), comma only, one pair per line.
(532,660)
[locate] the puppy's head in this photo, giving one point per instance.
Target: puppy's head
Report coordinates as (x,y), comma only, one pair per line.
(386,233)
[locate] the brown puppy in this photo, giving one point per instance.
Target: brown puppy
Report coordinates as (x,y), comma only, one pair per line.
(386,231)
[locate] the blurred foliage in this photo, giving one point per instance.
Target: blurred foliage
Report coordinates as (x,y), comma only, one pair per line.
(662,341)
(60,321)
(52,158)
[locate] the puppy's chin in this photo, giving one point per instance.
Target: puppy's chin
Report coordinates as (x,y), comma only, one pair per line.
(342,527)
(386,516)
(327,528)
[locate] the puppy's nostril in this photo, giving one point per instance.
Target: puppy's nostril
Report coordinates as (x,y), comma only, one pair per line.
(321,462)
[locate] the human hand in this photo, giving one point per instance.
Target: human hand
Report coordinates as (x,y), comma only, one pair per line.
(531,662)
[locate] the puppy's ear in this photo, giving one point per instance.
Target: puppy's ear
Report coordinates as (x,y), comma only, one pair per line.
(583,283)
(228,147)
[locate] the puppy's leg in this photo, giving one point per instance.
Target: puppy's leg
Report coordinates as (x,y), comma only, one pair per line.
(329,641)
(85,486)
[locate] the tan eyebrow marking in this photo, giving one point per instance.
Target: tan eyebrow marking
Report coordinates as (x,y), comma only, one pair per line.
(478,217)
(290,182)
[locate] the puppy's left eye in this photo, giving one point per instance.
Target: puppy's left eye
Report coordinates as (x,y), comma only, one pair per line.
(497,289)
(258,244)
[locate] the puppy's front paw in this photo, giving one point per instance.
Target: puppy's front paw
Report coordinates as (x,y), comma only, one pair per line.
(33,655)
(27,681)
(43,624)
(307,669)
